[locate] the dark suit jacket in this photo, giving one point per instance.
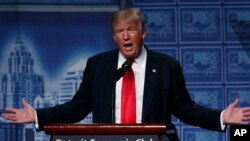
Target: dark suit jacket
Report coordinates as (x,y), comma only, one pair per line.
(164,93)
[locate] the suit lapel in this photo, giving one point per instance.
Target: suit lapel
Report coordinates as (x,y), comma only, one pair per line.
(111,65)
(150,82)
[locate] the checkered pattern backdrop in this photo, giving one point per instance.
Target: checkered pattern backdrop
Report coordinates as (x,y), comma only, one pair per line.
(211,40)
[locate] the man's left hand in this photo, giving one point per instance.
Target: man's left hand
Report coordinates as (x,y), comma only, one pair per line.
(234,115)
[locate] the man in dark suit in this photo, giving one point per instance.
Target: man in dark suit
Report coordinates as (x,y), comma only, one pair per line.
(159,81)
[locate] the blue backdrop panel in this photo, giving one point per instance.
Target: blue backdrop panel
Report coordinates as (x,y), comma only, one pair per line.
(200,25)
(237,1)
(199,1)
(237,22)
(202,65)
(161,25)
(241,92)
(237,65)
(196,134)
(155,2)
(208,96)
(169,51)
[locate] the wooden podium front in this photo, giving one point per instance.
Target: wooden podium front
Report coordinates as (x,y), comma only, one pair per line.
(105,132)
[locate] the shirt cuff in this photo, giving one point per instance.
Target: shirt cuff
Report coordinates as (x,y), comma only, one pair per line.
(36,122)
(222,125)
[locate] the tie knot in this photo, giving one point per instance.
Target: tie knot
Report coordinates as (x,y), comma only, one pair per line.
(129,73)
(132,60)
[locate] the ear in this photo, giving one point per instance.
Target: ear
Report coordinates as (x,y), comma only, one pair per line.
(144,34)
(114,37)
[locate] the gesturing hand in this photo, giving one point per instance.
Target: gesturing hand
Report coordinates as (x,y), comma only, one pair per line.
(20,116)
(234,115)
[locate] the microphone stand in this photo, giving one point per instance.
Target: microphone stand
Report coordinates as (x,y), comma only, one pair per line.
(117,77)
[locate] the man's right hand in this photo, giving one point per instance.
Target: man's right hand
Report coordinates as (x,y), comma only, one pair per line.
(20,116)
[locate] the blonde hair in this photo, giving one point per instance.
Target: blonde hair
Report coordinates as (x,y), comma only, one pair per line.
(129,14)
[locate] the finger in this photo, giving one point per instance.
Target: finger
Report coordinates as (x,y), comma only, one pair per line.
(246,109)
(10,110)
(16,122)
(3,115)
(247,113)
(24,103)
(7,114)
(235,103)
(246,117)
(9,117)
(243,122)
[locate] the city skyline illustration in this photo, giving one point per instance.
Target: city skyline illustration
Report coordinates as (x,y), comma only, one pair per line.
(21,81)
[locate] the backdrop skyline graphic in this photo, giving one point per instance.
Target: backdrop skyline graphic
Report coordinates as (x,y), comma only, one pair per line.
(55,42)
(72,38)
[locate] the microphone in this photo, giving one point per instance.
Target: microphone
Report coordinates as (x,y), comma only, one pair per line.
(125,66)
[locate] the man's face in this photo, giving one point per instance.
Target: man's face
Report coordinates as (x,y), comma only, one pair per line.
(129,36)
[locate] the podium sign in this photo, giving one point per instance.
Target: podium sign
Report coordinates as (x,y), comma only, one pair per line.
(104,138)
(105,132)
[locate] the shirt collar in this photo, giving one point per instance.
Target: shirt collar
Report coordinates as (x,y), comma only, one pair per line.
(139,60)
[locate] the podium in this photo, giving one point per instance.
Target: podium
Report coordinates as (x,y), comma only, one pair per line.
(105,132)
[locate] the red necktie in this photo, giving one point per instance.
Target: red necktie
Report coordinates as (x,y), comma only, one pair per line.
(128,100)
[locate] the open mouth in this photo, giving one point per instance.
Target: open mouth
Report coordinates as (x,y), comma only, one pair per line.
(128,45)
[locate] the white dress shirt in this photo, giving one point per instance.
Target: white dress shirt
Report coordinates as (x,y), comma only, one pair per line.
(139,68)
